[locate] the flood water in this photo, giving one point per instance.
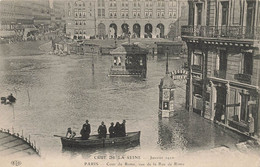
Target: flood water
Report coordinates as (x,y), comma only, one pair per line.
(54,93)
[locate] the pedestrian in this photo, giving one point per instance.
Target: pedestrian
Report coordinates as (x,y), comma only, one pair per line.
(70,134)
(111,130)
(102,130)
(251,125)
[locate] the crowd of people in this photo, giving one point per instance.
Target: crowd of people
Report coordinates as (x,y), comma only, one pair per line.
(118,130)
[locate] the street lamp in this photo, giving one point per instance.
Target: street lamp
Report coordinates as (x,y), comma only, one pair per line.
(92,49)
(167,70)
(129,34)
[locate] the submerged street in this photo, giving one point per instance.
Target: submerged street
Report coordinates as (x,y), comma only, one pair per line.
(56,92)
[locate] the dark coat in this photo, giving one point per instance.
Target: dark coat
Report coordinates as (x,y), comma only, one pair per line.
(122,130)
(112,131)
(84,134)
(88,129)
(117,130)
(102,131)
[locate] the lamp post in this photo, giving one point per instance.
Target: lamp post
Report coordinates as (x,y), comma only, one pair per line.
(129,34)
(92,49)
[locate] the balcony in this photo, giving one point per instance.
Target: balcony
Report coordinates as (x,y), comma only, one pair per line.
(196,68)
(220,74)
(232,32)
(244,78)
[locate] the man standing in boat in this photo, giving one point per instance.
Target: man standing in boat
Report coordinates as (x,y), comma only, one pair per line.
(88,129)
(102,130)
(122,129)
(112,131)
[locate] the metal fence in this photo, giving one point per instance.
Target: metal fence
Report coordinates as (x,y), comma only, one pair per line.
(233,32)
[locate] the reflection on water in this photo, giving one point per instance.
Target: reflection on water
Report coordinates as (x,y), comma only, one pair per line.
(88,152)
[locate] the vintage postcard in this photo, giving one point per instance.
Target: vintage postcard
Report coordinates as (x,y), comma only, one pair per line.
(130,83)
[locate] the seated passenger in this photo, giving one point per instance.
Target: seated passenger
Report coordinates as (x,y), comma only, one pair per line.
(70,134)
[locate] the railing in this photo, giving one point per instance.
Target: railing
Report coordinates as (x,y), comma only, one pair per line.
(196,68)
(21,137)
(244,78)
(220,74)
(237,32)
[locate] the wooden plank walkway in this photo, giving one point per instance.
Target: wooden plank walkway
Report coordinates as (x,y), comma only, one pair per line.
(14,144)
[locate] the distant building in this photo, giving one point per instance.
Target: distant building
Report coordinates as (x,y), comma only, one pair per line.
(223,39)
(20,17)
(116,18)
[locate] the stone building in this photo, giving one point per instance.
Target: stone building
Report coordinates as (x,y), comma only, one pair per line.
(223,39)
(116,18)
(20,17)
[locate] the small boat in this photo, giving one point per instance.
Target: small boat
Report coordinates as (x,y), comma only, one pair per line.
(131,139)
(8,100)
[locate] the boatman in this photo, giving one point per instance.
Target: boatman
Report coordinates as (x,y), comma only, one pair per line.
(70,134)
(88,129)
(84,133)
(102,130)
(112,131)
(122,129)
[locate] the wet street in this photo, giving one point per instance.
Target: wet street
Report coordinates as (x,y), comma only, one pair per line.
(54,93)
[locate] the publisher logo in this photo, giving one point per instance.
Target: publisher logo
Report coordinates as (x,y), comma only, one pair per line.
(16,163)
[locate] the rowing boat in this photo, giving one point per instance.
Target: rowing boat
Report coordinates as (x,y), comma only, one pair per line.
(131,138)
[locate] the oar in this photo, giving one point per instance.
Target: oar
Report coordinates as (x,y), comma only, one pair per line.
(58,136)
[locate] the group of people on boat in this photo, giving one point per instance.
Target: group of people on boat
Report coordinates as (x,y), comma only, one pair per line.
(118,130)
(8,100)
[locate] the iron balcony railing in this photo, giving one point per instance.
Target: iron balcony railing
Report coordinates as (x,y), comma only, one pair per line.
(244,78)
(235,32)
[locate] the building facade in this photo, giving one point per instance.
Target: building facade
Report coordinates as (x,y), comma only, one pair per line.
(223,39)
(20,17)
(115,18)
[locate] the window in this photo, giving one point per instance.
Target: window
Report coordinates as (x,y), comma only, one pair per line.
(248,63)
(199,13)
(225,8)
(197,58)
(244,112)
(162,14)
(99,12)
(103,12)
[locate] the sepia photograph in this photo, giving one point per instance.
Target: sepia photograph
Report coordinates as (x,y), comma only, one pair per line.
(130,83)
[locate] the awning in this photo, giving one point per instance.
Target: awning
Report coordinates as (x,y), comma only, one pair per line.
(7,33)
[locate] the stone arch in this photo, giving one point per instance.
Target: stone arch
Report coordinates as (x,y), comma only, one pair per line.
(136,30)
(125,29)
(113,30)
(148,29)
(161,30)
(101,30)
